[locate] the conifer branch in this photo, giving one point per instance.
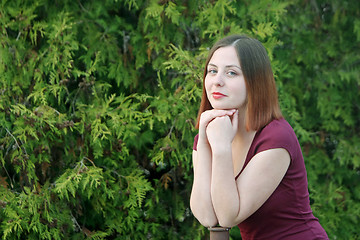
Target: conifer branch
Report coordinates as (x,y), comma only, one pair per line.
(17,144)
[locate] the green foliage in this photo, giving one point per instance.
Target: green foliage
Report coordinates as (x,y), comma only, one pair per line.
(98,102)
(321,80)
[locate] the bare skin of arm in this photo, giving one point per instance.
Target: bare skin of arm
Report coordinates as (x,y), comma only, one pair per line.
(200,200)
(235,200)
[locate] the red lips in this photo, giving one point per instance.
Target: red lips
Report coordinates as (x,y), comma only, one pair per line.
(218,95)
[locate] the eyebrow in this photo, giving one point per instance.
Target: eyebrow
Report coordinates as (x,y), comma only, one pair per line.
(227,66)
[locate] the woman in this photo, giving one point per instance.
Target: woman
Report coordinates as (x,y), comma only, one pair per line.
(248,166)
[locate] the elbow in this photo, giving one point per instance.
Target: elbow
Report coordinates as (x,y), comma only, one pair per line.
(227,223)
(226,220)
(227,214)
(205,218)
(208,222)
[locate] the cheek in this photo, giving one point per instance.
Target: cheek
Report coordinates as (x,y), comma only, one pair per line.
(240,91)
(207,85)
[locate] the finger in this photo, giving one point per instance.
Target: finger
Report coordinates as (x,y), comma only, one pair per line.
(223,112)
(209,115)
(235,120)
(221,121)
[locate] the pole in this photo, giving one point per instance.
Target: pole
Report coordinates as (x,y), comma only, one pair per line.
(219,233)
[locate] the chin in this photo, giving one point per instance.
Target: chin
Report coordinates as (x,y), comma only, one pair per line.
(224,107)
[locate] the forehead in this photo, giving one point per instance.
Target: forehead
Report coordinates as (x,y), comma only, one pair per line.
(225,56)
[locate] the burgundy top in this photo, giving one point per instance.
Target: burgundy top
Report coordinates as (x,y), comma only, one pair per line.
(286,214)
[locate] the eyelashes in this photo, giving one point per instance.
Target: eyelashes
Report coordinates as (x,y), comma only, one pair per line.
(229,72)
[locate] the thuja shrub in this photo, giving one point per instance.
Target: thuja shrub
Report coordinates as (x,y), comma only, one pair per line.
(321,74)
(98,103)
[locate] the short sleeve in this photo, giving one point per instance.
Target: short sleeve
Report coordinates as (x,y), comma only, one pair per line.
(278,134)
(195,142)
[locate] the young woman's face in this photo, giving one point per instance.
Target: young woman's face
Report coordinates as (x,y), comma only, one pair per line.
(224,81)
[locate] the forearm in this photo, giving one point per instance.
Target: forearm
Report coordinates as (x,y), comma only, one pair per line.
(224,193)
(200,200)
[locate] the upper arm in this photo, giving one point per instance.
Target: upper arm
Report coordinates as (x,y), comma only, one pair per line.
(194,156)
(259,180)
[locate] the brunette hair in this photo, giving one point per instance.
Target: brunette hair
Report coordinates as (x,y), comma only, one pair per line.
(262,98)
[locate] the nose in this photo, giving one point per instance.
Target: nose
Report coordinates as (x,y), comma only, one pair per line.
(219,81)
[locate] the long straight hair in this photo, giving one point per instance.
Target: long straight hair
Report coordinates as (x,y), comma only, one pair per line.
(262,104)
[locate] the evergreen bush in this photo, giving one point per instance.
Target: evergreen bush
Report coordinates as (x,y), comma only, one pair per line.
(98,102)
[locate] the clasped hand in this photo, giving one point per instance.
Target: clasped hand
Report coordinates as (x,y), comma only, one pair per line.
(218,127)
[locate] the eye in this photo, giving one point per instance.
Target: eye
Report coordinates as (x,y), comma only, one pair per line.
(212,71)
(231,73)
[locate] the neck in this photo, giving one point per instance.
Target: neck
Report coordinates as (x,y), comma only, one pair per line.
(242,135)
